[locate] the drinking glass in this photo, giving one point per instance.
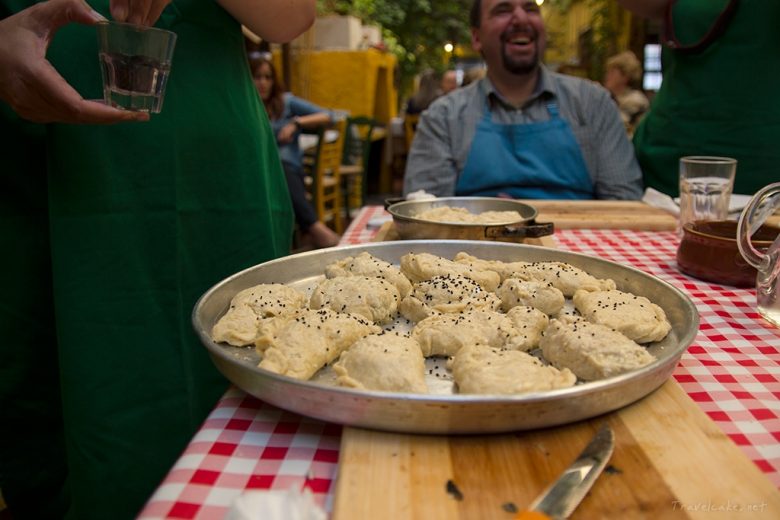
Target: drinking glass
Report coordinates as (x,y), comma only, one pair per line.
(705,188)
(135,61)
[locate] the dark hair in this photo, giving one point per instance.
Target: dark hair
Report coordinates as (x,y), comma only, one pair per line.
(427,92)
(475,15)
(274,106)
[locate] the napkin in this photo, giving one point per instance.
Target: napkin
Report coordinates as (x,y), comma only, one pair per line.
(420,195)
(378,222)
(737,203)
(655,198)
(292,504)
(660,200)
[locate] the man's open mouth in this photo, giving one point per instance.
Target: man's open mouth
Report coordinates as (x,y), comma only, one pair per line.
(520,40)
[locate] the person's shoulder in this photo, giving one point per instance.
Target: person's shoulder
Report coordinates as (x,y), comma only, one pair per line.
(636,96)
(288,99)
(579,88)
(456,100)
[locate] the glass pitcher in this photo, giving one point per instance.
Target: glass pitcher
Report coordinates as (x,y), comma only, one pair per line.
(760,207)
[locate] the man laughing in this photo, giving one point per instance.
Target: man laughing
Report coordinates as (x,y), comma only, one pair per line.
(522,131)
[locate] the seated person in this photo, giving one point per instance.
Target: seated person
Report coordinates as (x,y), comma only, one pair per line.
(289,115)
(427,91)
(522,131)
(471,75)
(623,70)
(449,81)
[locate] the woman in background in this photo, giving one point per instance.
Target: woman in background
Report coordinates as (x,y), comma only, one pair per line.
(623,71)
(429,89)
(289,115)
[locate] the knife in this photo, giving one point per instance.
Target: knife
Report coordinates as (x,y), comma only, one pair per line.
(563,495)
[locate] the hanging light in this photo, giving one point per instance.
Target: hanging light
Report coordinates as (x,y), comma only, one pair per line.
(448,47)
(539,2)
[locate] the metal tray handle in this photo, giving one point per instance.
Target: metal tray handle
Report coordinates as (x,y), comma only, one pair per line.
(529,230)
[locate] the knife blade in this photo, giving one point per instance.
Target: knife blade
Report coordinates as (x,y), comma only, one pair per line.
(561,497)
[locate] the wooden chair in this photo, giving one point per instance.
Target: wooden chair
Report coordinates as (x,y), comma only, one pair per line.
(410,127)
(354,165)
(325,178)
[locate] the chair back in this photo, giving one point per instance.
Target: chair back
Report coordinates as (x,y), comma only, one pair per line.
(410,127)
(355,163)
(326,177)
(357,141)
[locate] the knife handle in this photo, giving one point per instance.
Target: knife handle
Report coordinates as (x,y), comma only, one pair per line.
(532,515)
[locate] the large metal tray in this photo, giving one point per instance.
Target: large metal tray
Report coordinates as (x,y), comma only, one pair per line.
(444,414)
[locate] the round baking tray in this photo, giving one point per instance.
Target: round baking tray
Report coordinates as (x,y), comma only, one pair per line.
(454,413)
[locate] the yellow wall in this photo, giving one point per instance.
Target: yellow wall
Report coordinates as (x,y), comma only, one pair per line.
(360,82)
(564,30)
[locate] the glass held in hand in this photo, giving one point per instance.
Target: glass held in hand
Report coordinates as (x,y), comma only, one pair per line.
(135,62)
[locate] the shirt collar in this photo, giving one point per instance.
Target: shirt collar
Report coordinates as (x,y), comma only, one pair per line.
(543,89)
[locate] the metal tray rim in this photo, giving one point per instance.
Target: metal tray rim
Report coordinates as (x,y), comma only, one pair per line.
(393,209)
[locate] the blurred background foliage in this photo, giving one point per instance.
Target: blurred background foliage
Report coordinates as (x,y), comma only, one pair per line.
(582,34)
(414,30)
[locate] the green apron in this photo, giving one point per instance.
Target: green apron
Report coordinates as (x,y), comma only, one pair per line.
(142,219)
(721,101)
(32,451)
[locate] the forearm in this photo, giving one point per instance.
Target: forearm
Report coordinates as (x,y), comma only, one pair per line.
(307,114)
(314,120)
(647,8)
(277,21)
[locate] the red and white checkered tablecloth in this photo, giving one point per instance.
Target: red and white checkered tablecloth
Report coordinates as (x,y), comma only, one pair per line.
(732,371)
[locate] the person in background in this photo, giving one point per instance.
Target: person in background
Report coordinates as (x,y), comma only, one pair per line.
(428,90)
(715,98)
(522,131)
(116,232)
(472,75)
(623,70)
(289,115)
(449,81)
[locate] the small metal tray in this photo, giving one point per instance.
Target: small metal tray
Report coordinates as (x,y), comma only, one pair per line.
(411,227)
(437,413)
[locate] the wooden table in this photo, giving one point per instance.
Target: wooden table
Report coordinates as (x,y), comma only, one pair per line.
(670,460)
(603,214)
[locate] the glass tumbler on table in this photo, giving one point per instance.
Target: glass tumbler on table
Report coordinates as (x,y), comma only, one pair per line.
(705,188)
(135,61)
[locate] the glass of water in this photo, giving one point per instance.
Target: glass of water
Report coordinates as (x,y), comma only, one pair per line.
(135,61)
(705,188)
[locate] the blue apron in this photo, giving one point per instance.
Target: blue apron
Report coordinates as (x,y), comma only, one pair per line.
(525,161)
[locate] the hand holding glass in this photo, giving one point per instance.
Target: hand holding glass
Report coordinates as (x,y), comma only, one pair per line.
(135,62)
